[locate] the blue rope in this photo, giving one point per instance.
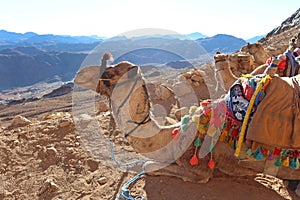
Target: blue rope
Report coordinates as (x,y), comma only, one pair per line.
(125,191)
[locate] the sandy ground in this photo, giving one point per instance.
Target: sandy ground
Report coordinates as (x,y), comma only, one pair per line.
(46,160)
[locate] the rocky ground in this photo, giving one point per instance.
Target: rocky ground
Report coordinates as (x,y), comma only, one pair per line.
(45,158)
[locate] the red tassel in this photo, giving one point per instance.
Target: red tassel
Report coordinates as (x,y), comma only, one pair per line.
(235,132)
(276,151)
(175,133)
(265,151)
(194,160)
(211,164)
(204,103)
(207,111)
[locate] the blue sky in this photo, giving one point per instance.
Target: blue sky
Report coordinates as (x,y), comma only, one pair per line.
(241,18)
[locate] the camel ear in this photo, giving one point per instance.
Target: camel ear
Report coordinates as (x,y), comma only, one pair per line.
(133,71)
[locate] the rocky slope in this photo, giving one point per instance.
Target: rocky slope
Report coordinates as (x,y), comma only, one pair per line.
(277,40)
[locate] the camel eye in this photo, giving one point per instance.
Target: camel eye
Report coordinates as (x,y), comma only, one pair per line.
(106,83)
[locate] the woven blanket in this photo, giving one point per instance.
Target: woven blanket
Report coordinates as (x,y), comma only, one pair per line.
(276,121)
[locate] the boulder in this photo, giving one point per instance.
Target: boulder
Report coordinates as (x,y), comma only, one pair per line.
(20,121)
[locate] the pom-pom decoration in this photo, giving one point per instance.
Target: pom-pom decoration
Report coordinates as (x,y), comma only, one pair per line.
(194,160)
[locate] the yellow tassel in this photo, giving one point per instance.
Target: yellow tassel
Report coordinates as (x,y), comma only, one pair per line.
(192,109)
(201,128)
(196,118)
(223,135)
(286,162)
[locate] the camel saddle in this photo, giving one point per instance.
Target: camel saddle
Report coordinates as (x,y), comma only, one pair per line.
(276,121)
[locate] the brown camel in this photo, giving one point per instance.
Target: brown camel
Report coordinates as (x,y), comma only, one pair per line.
(131,108)
(257,51)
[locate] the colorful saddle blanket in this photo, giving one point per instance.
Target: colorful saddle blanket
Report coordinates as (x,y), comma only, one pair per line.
(276,121)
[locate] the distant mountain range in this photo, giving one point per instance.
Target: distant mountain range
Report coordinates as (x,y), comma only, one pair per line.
(24,66)
(28,58)
(7,37)
(221,43)
(195,35)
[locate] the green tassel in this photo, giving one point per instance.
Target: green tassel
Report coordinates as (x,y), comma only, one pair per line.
(185,119)
(197,142)
(225,124)
(249,152)
(211,148)
(284,153)
(278,162)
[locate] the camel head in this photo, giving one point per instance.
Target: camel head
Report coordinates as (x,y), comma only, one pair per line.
(257,51)
(111,76)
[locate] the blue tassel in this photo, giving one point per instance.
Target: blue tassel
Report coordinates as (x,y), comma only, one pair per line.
(258,155)
(293,163)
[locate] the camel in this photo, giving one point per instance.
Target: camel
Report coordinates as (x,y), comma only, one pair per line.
(131,108)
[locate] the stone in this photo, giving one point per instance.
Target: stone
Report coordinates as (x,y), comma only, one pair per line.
(49,185)
(64,122)
(103,107)
(51,151)
(20,121)
(102,180)
(92,164)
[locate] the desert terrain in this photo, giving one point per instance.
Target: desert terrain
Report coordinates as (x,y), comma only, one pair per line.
(46,159)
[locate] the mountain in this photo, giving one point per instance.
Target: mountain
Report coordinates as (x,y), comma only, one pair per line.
(48,42)
(291,22)
(31,37)
(12,37)
(222,43)
(277,40)
(28,65)
(195,35)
